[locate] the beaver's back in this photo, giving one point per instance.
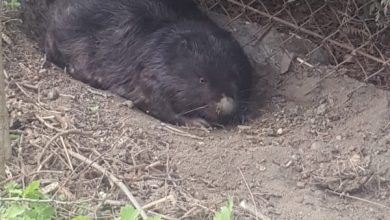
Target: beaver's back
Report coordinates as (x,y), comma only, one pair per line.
(76,18)
(38,14)
(91,33)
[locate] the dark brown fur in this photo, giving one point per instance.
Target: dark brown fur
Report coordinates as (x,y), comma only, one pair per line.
(166,56)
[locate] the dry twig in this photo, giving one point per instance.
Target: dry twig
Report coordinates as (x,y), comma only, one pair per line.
(250,192)
(73,131)
(359,199)
(179,132)
(120,184)
(15,199)
(253,210)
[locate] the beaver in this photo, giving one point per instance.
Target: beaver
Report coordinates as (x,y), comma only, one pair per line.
(167,56)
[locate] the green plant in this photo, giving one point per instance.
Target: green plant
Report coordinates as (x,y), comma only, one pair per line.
(27,204)
(12,4)
(128,212)
(18,209)
(81,217)
(226,212)
(14,136)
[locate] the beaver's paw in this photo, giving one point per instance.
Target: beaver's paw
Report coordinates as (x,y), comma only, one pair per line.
(197,122)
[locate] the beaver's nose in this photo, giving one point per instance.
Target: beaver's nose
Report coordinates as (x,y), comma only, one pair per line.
(226,105)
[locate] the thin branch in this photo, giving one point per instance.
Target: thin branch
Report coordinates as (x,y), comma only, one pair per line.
(291,25)
(44,201)
(113,178)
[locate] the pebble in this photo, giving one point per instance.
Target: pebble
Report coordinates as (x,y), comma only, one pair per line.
(53,94)
(244,127)
(317,145)
(295,157)
(321,109)
(300,184)
(262,168)
(355,159)
(280,131)
(41,71)
(128,104)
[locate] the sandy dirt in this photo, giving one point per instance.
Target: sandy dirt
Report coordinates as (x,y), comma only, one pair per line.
(312,149)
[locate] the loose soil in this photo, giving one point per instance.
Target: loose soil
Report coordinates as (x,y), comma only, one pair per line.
(314,147)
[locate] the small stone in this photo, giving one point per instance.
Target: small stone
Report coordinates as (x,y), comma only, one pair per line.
(321,109)
(262,168)
(41,71)
(128,104)
(300,184)
(53,94)
(338,137)
(355,159)
(280,131)
(102,194)
(242,128)
(317,145)
(295,157)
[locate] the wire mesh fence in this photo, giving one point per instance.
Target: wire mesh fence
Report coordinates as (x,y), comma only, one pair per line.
(354,33)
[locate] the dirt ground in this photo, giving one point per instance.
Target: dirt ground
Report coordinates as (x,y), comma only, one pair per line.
(312,149)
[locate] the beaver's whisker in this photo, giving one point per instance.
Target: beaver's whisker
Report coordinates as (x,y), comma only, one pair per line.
(192,110)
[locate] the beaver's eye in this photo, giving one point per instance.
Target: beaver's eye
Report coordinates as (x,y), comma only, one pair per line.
(202,80)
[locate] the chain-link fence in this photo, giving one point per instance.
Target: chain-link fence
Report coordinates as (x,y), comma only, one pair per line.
(354,33)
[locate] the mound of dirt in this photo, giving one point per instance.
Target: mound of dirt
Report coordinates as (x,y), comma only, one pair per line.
(315,148)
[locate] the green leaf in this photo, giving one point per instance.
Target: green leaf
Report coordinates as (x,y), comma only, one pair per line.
(230,203)
(13,189)
(225,213)
(31,188)
(81,217)
(14,211)
(14,136)
(31,191)
(41,212)
(128,212)
(156,217)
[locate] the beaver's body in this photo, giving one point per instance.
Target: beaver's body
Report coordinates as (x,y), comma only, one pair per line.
(166,56)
